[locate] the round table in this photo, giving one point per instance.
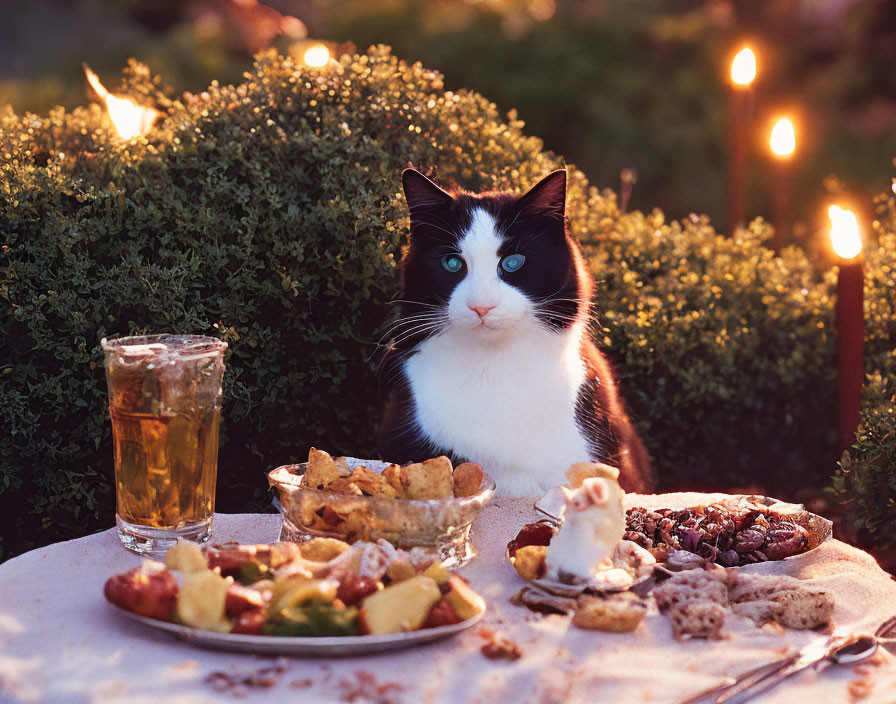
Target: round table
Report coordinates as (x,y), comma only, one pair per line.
(61,642)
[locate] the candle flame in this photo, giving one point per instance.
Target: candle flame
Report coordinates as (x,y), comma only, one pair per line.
(783,138)
(129,118)
(743,67)
(317,56)
(845,238)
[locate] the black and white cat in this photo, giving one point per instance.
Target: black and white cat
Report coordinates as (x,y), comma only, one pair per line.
(490,359)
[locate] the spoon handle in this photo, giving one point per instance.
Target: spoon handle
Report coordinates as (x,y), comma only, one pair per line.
(820,654)
(763,684)
(741,681)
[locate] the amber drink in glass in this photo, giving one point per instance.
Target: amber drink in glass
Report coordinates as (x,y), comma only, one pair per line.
(165,404)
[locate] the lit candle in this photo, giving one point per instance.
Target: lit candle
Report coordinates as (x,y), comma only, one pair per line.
(782,142)
(850,320)
(743,73)
(128,117)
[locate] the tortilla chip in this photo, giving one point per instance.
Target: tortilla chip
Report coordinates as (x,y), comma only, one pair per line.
(321,470)
(372,483)
(392,474)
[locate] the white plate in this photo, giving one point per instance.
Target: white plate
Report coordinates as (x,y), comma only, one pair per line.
(286,645)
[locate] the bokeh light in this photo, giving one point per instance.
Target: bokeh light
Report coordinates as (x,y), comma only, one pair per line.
(845,237)
(743,67)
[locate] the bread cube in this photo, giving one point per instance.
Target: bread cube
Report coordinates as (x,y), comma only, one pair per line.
(616,614)
(186,557)
(467,479)
(201,601)
(432,479)
(529,561)
(463,599)
(400,607)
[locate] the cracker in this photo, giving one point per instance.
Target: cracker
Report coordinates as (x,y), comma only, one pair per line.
(529,561)
(802,608)
(467,479)
(700,618)
(760,587)
(694,585)
(432,479)
(321,470)
(616,614)
(759,612)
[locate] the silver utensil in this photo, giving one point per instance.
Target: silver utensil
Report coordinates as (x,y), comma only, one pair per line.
(853,650)
(885,633)
(821,655)
(743,679)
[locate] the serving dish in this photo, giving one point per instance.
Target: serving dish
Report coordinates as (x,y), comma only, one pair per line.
(326,646)
(552,505)
(820,529)
(436,524)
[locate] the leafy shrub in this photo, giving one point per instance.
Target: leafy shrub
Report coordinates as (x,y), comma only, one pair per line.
(866,480)
(269,213)
(725,349)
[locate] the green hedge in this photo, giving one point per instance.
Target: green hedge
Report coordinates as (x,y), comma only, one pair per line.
(269,213)
(726,350)
(866,480)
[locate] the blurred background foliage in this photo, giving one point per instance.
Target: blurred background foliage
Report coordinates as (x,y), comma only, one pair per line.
(632,91)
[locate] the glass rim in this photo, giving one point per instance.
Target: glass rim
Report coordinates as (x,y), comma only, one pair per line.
(205,346)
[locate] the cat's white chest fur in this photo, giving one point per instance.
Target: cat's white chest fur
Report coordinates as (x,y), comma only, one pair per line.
(507,403)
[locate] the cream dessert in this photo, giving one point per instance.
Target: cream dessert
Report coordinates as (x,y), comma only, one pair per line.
(593,524)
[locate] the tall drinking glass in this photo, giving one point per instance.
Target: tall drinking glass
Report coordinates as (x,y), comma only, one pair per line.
(165,403)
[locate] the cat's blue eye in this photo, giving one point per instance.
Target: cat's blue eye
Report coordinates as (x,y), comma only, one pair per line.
(452,263)
(512,263)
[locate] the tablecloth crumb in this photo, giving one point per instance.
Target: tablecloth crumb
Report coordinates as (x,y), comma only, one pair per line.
(363,686)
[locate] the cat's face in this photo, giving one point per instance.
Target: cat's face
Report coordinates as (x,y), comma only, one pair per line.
(490,264)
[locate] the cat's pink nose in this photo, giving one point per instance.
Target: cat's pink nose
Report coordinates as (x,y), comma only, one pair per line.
(481,311)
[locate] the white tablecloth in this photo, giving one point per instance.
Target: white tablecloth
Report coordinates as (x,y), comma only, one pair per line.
(61,642)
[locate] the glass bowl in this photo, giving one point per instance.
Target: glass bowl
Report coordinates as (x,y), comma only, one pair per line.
(441,525)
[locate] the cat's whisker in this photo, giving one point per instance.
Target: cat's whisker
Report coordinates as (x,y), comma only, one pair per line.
(401,322)
(411,318)
(422,304)
(399,336)
(418,330)
(554,299)
(454,235)
(550,308)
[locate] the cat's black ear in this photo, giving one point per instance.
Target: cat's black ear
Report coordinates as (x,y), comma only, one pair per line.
(421,193)
(547,197)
